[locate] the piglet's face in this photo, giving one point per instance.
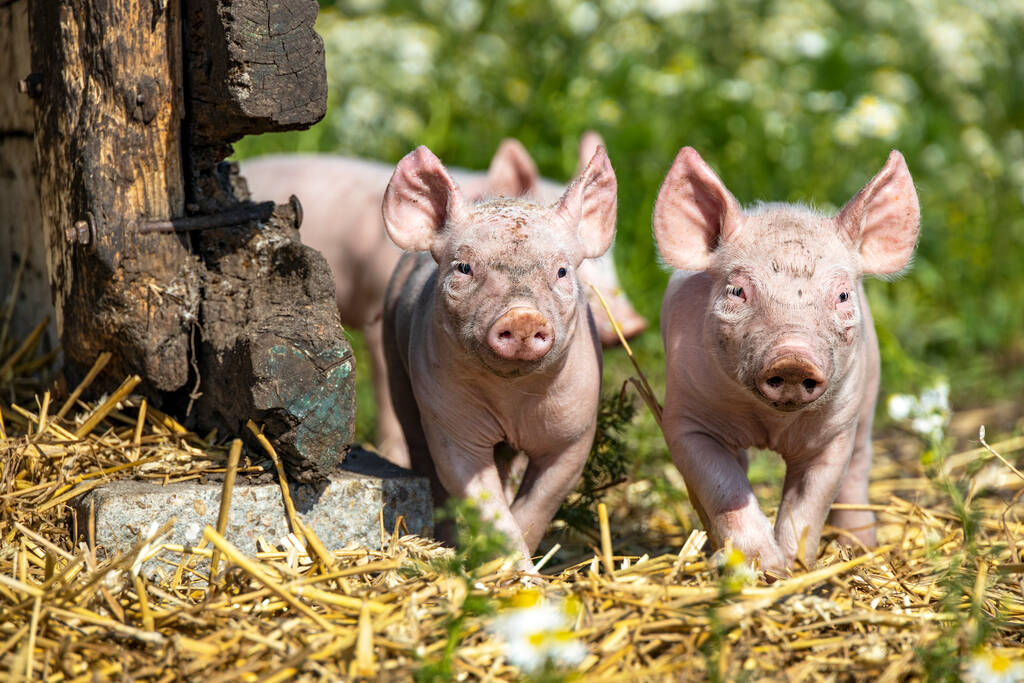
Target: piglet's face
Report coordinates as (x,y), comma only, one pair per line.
(785,314)
(507,289)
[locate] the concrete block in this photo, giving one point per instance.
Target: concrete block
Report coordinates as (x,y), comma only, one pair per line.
(344,509)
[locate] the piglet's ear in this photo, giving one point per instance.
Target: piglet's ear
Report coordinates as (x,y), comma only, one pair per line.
(420,201)
(694,213)
(883,219)
(512,172)
(590,203)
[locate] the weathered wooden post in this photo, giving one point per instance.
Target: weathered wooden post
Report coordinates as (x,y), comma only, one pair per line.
(151,252)
(24,281)
(268,313)
(111,156)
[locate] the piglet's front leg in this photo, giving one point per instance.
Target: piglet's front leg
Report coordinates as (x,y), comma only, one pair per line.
(468,471)
(549,480)
(811,486)
(717,481)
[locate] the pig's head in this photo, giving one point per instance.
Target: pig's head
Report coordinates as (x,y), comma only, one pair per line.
(507,290)
(513,173)
(785,317)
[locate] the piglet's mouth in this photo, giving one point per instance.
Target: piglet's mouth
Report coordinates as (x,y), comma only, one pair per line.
(787,406)
(510,368)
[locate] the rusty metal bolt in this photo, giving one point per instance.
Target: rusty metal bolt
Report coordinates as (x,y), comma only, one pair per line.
(79,233)
(31,85)
(143,103)
(297,209)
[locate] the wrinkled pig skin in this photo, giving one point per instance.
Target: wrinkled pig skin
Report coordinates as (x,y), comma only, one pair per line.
(769,343)
(341,200)
(489,339)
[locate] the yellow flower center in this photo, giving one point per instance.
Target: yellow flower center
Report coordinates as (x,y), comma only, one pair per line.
(999,663)
(529,597)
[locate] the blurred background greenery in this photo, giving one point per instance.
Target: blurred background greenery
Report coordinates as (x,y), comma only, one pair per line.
(788,100)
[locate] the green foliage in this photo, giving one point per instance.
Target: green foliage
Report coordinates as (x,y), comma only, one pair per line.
(963,632)
(788,100)
(607,464)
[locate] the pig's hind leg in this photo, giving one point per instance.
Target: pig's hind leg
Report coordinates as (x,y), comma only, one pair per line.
(390,437)
(407,413)
(512,466)
(854,491)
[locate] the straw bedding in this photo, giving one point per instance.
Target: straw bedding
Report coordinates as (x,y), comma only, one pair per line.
(943,592)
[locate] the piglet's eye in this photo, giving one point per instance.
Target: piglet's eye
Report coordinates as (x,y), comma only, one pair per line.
(463,268)
(844,297)
(733,290)
(562,272)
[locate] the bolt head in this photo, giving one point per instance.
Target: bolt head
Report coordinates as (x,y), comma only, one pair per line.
(297,208)
(80,233)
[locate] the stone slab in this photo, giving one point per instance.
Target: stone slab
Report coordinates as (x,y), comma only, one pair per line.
(344,509)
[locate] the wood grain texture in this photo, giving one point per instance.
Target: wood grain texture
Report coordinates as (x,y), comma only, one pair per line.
(107,138)
(273,346)
(255,66)
(15,64)
(21,233)
(238,321)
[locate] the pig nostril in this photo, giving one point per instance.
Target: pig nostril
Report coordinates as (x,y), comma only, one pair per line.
(505,335)
(775,382)
(541,336)
(809,385)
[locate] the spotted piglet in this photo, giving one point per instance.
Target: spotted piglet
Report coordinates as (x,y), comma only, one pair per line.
(769,344)
(489,340)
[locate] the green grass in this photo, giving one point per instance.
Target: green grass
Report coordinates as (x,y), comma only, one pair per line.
(797,100)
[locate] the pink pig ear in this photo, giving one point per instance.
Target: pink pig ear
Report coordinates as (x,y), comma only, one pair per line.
(590,203)
(512,172)
(883,219)
(693,213)
(420,201)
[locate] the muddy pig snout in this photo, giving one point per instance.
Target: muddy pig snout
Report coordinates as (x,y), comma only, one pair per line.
(792,379)
(521,334)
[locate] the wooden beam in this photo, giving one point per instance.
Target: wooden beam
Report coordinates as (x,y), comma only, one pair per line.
(24,281)
(108,144)
(255,66)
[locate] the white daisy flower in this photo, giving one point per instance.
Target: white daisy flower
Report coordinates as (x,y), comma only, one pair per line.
(900,406)
(537,633)
(988,666)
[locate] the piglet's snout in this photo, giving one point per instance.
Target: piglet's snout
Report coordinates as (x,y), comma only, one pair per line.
(521,334)
(792,379)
